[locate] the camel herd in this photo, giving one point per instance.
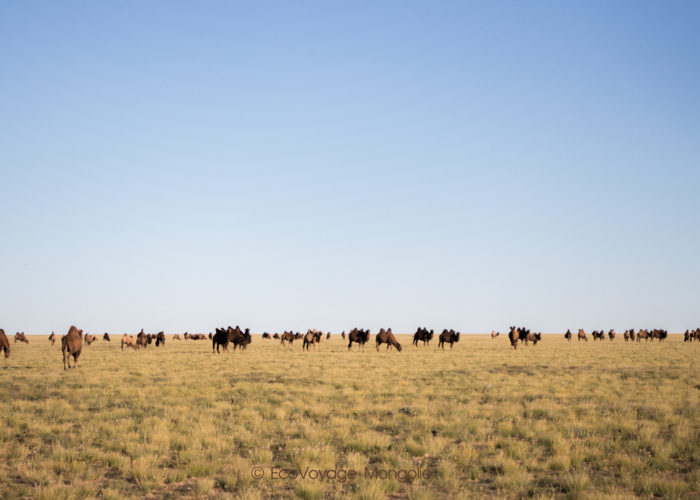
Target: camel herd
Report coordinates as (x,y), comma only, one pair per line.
(629,335)
(356,335)
(689,335)
(72,342)
(223,337)
(519,336)
(142,339)
(522,335)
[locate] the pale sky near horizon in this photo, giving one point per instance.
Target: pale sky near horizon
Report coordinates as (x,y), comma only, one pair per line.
(180,166)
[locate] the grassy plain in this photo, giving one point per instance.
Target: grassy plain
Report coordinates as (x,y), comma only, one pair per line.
(571,420)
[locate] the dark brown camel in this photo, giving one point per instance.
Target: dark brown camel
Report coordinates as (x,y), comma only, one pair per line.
(642,334)
(160,339)
(239,338)
(533,337)
(359,336)
(448,336)
(289,337)
(386,337)
(220,341)
(658,334)
(423,335)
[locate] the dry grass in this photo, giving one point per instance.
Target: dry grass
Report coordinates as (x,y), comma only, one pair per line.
(575,420)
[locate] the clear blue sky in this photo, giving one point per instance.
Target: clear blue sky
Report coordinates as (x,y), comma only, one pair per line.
(183,165)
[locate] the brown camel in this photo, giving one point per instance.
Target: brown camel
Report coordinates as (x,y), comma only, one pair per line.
(311,337)
(128,340)
(4,344)
(386,337)
(447,336)
(71,345)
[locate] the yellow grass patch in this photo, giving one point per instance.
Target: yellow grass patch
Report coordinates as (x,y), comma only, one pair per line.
(559,419)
